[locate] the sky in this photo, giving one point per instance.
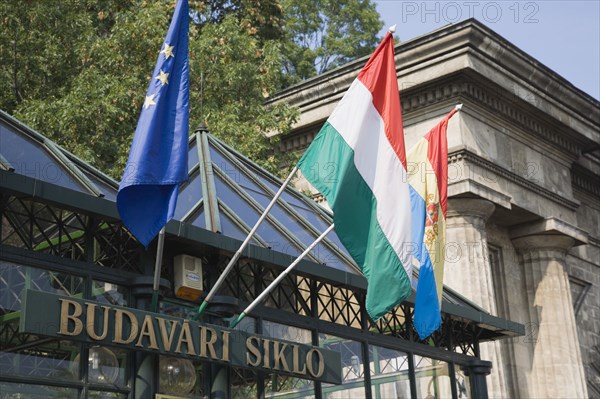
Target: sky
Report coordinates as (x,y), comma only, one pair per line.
(563,35)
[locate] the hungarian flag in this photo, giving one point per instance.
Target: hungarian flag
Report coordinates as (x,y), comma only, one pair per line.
(428,177)
(358,162)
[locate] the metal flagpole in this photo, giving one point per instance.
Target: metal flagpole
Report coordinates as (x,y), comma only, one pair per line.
(157,268)
(237,255)
(263,294)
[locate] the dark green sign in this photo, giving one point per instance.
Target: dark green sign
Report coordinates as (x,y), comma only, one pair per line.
(93,322)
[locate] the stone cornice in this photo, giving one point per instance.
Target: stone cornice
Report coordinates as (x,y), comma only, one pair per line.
(594,241)
(467,46)
(469,187)
(546,85)
(586,181)
(499,106)
(470,207)
(464,155)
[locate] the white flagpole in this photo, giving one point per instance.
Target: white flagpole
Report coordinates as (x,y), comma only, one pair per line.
(157,268)
(263,294)
(237,255)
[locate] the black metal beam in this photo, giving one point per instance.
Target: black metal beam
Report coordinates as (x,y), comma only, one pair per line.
(185,233)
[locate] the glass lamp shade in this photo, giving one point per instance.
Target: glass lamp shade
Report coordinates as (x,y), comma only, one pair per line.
(176,375)
(103,365)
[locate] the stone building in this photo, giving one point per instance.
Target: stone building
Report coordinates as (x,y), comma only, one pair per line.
(523,246)
(524,195)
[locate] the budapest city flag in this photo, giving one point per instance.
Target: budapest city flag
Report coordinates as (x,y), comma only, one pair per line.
(157,162)
(428,177)
(362,142)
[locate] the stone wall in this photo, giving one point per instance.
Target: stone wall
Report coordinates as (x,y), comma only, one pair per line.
(524,191)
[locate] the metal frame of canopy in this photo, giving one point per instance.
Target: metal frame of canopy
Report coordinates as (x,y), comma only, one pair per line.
(78,233)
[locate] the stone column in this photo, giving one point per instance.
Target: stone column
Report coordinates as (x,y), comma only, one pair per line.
(556,369)
(467,270)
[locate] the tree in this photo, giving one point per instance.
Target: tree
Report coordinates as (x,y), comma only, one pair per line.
(93,109)
(324,34)
(81,78)
(240,73)
(77,71)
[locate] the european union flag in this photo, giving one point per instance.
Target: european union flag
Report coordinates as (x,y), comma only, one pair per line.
(157,162)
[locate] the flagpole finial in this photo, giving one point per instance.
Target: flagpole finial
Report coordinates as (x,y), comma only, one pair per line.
(458,107)
(201,128)
(392,29)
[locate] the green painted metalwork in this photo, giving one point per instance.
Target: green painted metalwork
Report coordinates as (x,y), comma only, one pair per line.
(213,221)
(131,328)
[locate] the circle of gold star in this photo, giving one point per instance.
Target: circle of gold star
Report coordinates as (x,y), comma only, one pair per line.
(163,78)
(149,101)
(168,51)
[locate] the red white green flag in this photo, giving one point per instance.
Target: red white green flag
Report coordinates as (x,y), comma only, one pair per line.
(362,142)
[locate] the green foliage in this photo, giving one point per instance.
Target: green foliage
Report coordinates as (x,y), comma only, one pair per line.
(77,70)
(93,112)
(324,34)
(239,73)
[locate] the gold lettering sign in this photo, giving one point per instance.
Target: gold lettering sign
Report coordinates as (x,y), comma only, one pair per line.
(186,337)
(266,353)
(93,322)
(167,337)
(208,343)
(118,339)
(147,331)
(279,356)
(252,349)
(90,327)
(296,361)
(225,357)
(320,361)
(65,316)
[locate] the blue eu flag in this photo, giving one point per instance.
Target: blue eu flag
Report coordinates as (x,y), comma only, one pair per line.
(157,162)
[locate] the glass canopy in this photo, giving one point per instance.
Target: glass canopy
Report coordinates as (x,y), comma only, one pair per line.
(226,192)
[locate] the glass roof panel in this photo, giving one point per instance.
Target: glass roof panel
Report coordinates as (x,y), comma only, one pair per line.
(275,239)
(189,195)
(319,222)
(30,158)
(322,251)
(109,191)
(300,206)
(333,237)
(311,215)
(290,221)
(274,185)
(197,219)
(240,177)
(231,229)
(293,225)
(192,155)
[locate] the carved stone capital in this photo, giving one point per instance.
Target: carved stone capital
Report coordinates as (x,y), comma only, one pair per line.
(543,242)
(470,207)
(472,211)
(547,235)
